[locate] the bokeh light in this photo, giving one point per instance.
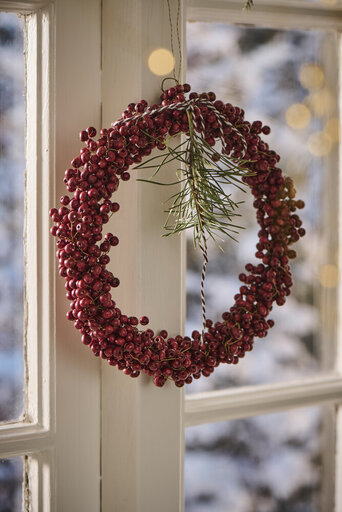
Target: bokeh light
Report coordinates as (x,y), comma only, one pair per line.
(321,102)
(328,275)
(319,144)
(329,2)
(332,128)
(161,61)
(298,116)
(311,76)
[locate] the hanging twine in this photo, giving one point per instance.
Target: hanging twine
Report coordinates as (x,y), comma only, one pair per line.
(168,78)
(175,76)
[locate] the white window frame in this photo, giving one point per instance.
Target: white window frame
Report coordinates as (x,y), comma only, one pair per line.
(230,404)
(98,440)
(149,426)
(60,431)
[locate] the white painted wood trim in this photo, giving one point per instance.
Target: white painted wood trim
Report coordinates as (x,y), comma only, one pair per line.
(338,460)
(328,454)
(312,5)
(34,435)
(21,438)
(39,474)
(63,411)
(142,425)
(338,453)
(31,337)
(24,7)
(39,266)
(266,13)
(76,104)
(229,404)
(339,227)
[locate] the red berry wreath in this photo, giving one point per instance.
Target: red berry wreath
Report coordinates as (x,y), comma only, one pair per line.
(96,174)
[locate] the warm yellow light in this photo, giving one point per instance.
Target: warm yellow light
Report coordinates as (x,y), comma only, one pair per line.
(298,116)
(161,62)
(332,128)
(321,102)
(328,275)
(311,76)
(329,2)
(319,144)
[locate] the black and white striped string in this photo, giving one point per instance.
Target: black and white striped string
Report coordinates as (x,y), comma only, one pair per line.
(204,250)
(202,242)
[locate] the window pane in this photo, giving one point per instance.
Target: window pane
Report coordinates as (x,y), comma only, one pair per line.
(288,80)
(11,484)
(12,171)
(271,463)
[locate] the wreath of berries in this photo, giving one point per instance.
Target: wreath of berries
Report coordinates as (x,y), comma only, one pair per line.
(82,252)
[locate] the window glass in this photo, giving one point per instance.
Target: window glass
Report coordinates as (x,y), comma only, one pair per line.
(12,173)
(288,80)
(270,463)
(11,484)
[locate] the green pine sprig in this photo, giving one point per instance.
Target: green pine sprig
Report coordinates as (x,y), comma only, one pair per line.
(248,5)
(202,202)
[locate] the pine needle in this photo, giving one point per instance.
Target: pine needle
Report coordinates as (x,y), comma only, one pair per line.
(202,203)
(248,5)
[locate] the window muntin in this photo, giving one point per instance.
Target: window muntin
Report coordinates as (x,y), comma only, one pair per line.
(288,80)
(12,178)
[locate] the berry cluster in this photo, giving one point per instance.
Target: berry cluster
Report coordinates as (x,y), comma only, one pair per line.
(82,252)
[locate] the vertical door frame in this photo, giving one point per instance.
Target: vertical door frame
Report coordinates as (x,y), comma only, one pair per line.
(77,104)
(142,426)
